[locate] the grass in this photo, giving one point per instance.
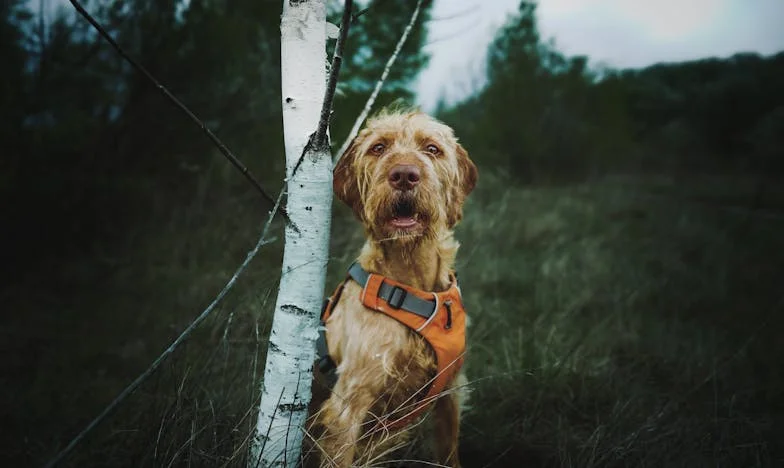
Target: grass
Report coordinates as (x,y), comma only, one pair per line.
(627,321)
(621,327)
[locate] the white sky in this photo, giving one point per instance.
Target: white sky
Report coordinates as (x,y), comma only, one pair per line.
(618,33)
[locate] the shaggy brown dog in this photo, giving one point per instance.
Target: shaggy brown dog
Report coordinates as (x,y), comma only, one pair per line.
(405,177)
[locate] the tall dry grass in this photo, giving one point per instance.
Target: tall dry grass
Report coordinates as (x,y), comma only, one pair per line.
(628,321)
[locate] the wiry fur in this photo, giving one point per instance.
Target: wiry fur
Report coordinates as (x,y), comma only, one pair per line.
(382,364)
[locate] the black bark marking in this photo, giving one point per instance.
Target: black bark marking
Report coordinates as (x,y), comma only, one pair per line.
(292,309)
(291,407)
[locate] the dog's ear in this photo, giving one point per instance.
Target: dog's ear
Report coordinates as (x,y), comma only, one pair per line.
(466,178)
(344,180)
(467,169)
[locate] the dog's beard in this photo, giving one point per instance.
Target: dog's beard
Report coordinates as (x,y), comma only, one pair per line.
(403,218)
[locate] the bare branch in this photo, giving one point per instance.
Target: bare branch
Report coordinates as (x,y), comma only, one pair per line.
(266,437)
(320,139)
(358,14)
(173,346)
(458,33)
(217,142)
(372,99)
(460,14)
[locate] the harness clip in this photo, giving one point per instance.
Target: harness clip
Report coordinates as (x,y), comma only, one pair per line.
(448,305)
(397,297)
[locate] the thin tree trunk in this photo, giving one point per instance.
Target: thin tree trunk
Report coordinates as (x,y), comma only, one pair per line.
(286,388)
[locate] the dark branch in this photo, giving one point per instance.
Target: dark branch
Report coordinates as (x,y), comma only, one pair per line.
(372,99)
(266,436)
(460,14)
(320,138)
(217,142)
(358,14)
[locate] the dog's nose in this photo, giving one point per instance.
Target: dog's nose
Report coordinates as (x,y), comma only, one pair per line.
(404,177)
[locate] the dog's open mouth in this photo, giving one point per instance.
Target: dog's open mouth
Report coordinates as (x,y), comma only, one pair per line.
(404,215)
(404,222)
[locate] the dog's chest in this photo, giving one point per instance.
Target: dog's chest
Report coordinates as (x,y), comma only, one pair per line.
(357,336)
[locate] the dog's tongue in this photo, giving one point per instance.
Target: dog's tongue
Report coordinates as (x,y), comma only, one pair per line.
(403,221)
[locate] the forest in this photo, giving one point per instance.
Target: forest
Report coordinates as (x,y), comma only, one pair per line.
(621,256)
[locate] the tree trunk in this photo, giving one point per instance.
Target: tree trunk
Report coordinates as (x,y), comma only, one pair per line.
(286,389)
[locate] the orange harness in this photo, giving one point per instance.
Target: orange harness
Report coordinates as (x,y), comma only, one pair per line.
(439,317)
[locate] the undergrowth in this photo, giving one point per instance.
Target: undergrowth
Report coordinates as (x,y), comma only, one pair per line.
(627,321)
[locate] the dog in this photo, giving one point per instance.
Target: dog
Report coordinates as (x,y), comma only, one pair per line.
(395,328)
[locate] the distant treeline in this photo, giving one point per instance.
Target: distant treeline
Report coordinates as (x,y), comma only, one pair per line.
(91,148)
(710,114)
(543,116)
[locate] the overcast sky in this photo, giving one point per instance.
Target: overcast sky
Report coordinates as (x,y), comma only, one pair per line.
(618,33)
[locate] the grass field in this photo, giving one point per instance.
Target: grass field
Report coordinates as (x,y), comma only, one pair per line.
(630,322)
(627,321)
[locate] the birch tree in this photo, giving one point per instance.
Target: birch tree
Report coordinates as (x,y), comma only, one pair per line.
(307,102)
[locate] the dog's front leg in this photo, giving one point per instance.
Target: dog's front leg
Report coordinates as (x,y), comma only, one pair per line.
(341,417)
(447,427)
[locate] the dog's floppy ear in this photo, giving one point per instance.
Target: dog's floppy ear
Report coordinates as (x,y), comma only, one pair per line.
(467,169)
(466,181)
(344,179)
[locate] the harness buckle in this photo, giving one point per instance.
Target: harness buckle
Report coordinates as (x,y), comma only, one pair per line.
(397,297)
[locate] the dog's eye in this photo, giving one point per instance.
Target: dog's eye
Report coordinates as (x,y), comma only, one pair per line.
(378,148)
(433,149)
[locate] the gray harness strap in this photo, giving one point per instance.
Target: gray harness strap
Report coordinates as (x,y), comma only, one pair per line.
(325,363)
(396,297)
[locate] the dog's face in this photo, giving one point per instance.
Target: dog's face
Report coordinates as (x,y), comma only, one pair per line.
(405,176)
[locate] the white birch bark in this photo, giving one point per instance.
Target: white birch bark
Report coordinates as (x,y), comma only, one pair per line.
(286,388)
